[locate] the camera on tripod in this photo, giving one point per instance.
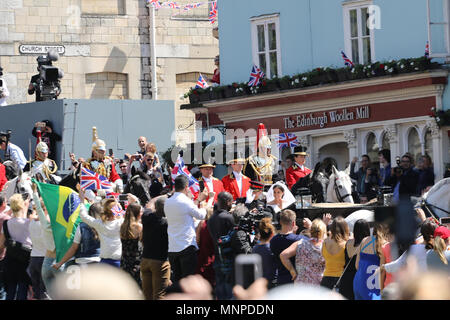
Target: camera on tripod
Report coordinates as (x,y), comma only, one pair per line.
(49,75)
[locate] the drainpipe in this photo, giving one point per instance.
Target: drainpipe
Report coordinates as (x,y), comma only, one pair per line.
(152,37)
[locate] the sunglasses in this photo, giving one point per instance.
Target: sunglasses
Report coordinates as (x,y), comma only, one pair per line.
(150,160)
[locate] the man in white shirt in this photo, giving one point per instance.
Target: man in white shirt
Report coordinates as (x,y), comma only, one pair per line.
(180,212)
(15,153)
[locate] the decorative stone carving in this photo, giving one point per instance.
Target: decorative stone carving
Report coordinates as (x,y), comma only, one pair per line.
(350,138)
(303,141)
(434,128)
(391,133)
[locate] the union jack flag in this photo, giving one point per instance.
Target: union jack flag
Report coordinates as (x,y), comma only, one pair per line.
(201,83)
(191,6)
(173,5)
(155,3)
(347,61)
(180,168)
(117,210)
(213,13)
(427,50)
(90,180)
(287,140)
(256,76)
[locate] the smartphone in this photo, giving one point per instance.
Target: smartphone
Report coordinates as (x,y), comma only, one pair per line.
(123,197)
(1,83)
(111,152)
(248,268)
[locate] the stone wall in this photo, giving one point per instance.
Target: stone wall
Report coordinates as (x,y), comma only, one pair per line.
(185,47)
(98,36)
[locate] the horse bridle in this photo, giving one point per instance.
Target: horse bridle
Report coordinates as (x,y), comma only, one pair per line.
(338,194)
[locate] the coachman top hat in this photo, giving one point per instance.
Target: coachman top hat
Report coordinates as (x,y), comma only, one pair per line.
(238,157)
(300,151)
(207,164)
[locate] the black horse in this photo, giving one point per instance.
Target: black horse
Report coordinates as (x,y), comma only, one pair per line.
(72,179)
(143,186)
(316,182)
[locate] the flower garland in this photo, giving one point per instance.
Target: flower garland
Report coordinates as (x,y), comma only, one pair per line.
(317,76)
(441,117)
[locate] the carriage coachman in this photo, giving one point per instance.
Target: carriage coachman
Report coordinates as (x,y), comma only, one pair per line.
(102,164)
(42,167)
(298,169)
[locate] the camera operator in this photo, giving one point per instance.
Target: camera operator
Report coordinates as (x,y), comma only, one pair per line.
(224,224)
(12,152)
(39,82)
(4,93)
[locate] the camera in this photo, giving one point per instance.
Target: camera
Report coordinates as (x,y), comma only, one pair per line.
(48,83)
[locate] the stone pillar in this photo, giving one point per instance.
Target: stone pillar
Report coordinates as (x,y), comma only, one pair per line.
(391,132)
(350,136)
(438,155)
(304,141)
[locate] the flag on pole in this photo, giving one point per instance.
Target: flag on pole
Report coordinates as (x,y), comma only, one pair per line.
(90,180)
(213,13)
(427,50)
(347,61)
(201,83)
(287,140)
(255,76)
(180,168)
(63,207)
(155,3)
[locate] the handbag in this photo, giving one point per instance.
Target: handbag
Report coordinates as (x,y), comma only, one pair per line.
(336,285)
(15,250)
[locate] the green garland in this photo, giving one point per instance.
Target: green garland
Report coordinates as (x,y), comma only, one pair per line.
(313,77)
(441,117)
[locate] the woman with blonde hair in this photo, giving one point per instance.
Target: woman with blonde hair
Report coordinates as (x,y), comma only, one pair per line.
(108,229)
(333,251)
(130,235)
(15,236)
(309,262)
(439,257)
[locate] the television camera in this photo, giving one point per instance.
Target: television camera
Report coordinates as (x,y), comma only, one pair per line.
(48,84)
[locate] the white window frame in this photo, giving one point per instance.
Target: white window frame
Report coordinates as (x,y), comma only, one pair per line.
(446,13)
(347,7)
(266,20)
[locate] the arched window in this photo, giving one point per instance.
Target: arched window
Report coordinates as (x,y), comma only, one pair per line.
(372,147)
(414,147)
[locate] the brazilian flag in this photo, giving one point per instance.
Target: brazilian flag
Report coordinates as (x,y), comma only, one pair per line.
(63,207)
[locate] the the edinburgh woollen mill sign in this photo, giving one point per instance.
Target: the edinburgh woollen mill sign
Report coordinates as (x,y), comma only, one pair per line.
(322,119)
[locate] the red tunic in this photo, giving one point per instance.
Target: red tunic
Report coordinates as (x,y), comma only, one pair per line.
(294,173)
(205,257)
(230,185)
(3,179)
(217,186)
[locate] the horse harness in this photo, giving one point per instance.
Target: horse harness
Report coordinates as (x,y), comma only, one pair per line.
(338,194)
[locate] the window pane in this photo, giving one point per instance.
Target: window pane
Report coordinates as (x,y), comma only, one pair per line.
(353,23)
(272,37)
(414,144)
(355,51)
(261,38)
(365,31)
(366,50)
(273,64)
(262,62)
